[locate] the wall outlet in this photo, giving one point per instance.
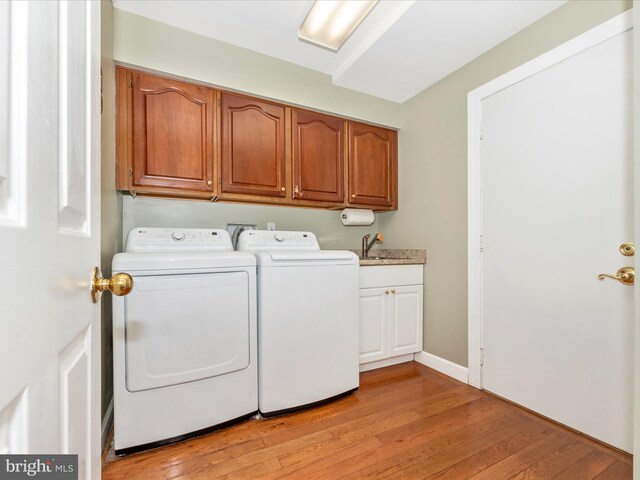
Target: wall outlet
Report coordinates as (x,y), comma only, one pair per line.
(271,227)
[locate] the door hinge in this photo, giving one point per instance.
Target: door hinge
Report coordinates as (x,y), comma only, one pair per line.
(482,357)
(481,243)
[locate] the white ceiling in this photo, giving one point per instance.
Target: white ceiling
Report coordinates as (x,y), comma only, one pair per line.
(400,49)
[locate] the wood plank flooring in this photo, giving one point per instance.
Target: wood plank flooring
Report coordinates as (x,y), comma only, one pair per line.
(406,422)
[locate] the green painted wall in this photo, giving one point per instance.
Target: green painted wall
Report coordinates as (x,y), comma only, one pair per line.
(146,43)
(433,169)
(158,212)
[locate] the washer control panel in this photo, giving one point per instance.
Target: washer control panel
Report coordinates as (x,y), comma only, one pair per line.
(260,240)
(183,239)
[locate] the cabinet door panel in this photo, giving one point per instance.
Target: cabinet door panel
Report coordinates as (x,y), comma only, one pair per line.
(405,328)
(173,134)
(372,165)
(318,157)
(253,155)
(374,324)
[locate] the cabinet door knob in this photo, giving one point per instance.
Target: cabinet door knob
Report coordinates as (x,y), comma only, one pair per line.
(386,292)
(209,182)
(353,195)
(283,189)
(393,291)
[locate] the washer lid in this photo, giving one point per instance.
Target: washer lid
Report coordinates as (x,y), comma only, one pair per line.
(267,240)
(201,261)
(144,239)
(296,258)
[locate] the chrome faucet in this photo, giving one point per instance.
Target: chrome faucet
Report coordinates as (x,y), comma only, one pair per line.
(366,245)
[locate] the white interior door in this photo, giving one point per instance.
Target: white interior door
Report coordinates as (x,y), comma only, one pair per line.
(557,191)
(49,229)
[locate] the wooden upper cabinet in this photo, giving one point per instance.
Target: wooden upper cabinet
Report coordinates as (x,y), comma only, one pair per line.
(253,147)
(172,126)
(317,157)
(181,139)
(373,168)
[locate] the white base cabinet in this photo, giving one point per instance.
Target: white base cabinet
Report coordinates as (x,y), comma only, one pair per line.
(390,311)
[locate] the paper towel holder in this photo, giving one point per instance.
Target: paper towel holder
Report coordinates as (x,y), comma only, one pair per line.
(357,216)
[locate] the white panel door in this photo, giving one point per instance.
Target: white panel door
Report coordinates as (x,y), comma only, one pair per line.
(49,229)
(405,327)
(557,191)
(374,324)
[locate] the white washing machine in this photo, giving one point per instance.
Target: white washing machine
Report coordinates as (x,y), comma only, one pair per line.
(184,340)
(307,319)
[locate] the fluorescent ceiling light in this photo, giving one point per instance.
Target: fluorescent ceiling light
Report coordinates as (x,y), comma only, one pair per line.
(330,22)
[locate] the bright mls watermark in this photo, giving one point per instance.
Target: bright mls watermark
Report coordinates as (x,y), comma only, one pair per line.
(50,467)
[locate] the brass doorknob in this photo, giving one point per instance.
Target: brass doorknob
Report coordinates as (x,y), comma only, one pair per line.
(626,276)
(120,284)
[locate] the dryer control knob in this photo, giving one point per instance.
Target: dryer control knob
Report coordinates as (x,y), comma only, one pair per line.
(178,236)
(279,237)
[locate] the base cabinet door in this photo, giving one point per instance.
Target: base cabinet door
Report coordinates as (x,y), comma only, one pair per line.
(374,324)
(405,329)
(390,322)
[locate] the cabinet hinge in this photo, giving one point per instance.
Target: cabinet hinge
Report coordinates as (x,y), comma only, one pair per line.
(219,181)
(481,243)
(482,357)
(130,83)
(219,102)
(481,133)
(131,173)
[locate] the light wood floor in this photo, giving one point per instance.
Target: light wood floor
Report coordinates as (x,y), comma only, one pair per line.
(405,422)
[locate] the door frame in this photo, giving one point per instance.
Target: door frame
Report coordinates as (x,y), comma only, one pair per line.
(636,204)
(585,41)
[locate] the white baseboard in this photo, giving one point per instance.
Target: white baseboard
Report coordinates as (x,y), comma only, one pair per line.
(451,369)
(107,421)
(387,362)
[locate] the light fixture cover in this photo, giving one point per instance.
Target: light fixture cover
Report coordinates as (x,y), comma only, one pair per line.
(330,22)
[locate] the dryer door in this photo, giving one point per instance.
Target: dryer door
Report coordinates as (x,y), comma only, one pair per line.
(182,328)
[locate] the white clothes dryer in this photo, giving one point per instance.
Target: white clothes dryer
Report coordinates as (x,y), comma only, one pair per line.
(307,319)
(184,340)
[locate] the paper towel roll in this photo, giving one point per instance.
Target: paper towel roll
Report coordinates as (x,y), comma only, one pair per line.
(357,216)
